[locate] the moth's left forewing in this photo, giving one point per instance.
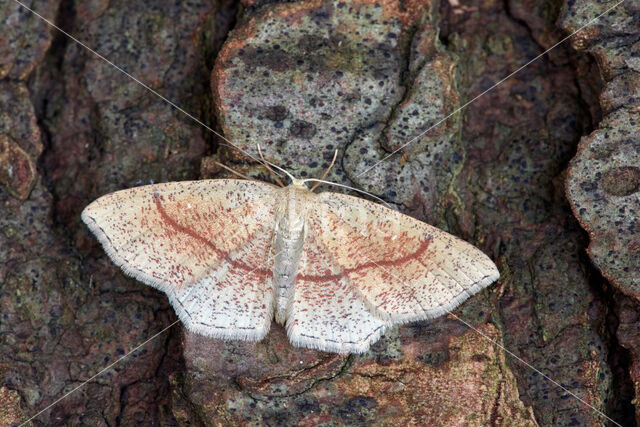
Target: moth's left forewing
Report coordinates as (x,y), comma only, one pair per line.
(206,244)
(403,268)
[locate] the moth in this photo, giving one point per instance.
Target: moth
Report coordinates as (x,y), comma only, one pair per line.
(336,270)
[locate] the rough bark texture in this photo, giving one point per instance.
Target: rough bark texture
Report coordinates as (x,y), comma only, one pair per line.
(304,79)
(603,181)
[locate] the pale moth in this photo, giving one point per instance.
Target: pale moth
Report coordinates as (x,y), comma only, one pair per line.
(336,270)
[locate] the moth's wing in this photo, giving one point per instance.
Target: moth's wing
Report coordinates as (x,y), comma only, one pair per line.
(206,244)
(325,312)
(403,268)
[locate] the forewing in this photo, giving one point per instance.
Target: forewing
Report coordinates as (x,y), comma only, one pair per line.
(325,312)
(403,268)
(207,244)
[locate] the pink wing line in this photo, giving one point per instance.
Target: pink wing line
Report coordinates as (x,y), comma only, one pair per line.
(325,312)
(206,244)
(404,269)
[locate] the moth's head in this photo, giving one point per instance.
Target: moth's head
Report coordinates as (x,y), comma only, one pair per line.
(295,182)
(299,183)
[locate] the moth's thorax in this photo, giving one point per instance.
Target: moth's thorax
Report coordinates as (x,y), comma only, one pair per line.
(289,239)
(294,208)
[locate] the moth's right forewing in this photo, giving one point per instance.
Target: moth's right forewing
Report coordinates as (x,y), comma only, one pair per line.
(403,268)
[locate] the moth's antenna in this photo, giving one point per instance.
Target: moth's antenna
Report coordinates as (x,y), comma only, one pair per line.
(268,164)
(319,181)
(324,175)
(232,171)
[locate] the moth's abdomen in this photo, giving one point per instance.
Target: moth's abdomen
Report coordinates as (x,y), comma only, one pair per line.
(288,251)
(289,240)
